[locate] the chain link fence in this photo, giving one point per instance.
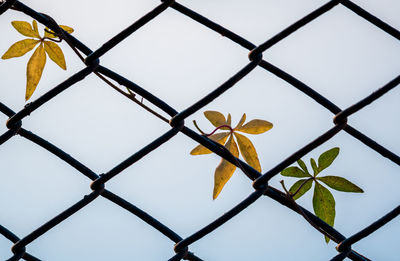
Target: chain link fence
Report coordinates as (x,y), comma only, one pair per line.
(20,248)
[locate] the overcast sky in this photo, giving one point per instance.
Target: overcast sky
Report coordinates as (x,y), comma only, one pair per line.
(340,55)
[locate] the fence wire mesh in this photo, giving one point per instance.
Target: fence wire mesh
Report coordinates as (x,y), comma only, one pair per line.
(92,65)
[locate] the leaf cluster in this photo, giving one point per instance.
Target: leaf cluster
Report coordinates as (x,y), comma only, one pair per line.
(46,45)
(323,200)
(227,137)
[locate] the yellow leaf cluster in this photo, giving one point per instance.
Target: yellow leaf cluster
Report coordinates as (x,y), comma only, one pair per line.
(225,169)
(37,61)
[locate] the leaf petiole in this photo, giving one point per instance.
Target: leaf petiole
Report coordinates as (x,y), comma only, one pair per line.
(198,128)
(219,127)
(284,187)
(209,134)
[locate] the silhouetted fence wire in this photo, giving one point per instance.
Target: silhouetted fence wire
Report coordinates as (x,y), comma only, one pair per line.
(91,63)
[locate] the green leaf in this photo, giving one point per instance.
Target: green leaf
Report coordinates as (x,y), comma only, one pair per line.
(306,187)
(25,29)
(326,158)
(303,166)
(314,167)
(340,184)
(324,205)
(294,172)
(225,169)
(20,48)
(216,118)
(256,127)
(34,70)
(219,137)
(248,151)
(55,53)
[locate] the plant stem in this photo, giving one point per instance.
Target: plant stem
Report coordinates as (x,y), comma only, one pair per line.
(129,95)
(301,212)
(133,98)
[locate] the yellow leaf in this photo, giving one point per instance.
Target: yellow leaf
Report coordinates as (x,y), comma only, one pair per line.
(229,120)
(67,29)
(255,127)
(248,151)
(55,53)
(219,137)
(51,34)
(20,48)
(225,169)
(35,28)
(216,118)
(34,70)
(242,120)
(24,28)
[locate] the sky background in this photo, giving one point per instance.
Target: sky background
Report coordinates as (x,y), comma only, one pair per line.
(340,55)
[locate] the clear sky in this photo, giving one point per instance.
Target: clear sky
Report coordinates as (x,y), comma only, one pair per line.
(339,55)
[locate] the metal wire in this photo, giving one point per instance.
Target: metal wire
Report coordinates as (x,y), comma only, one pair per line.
(260,180)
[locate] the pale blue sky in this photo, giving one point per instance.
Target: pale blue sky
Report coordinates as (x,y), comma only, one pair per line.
(340,55)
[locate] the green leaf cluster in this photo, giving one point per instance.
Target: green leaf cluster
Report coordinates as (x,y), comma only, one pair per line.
(37,61)
(323,200)
(225,169)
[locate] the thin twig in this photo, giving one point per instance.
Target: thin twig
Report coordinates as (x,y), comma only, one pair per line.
(132,98)
(62,36)
(301,212)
